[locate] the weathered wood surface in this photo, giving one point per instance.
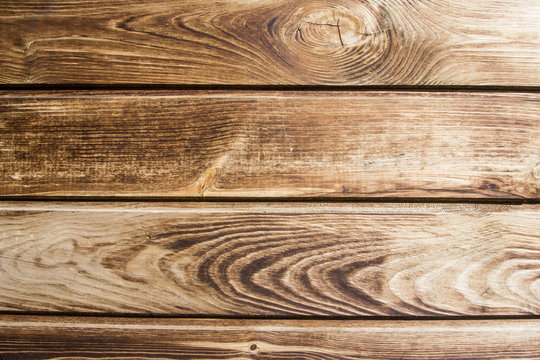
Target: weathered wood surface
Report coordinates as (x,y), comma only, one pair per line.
(373,42)
(270,144)
(27,337)
(270,258)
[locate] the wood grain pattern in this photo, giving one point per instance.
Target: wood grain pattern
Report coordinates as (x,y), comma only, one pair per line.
(370,42)
(25,337)
(270,144)
(270,258)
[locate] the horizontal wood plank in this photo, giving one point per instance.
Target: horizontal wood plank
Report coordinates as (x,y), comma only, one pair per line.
(270,144)
(255,259)
(26,337)
(374,42)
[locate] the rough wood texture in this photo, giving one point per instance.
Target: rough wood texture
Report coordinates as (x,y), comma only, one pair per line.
(270,144)
(270,259)
(25,337)
(374,42)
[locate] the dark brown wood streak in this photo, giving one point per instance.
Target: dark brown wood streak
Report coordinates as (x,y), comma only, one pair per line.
(270,259)
(270,144)
(368,42)
(32,338)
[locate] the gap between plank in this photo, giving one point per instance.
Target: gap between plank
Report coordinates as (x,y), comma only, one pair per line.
(269,317)
(336,88)
(388,200)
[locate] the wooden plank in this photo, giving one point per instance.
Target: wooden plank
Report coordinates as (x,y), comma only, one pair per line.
(270,144)
(30,337)
(374,42)
(254,259)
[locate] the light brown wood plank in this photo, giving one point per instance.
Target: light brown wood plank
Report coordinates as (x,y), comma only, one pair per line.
(270,258)
(27,337)
(270,144)
(347,42)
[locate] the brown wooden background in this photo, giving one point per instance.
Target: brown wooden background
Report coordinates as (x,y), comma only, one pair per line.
(263,179)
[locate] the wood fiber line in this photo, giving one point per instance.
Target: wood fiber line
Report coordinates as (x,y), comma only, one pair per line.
(262,42)
(281,259)
(270,144)
(26,337)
